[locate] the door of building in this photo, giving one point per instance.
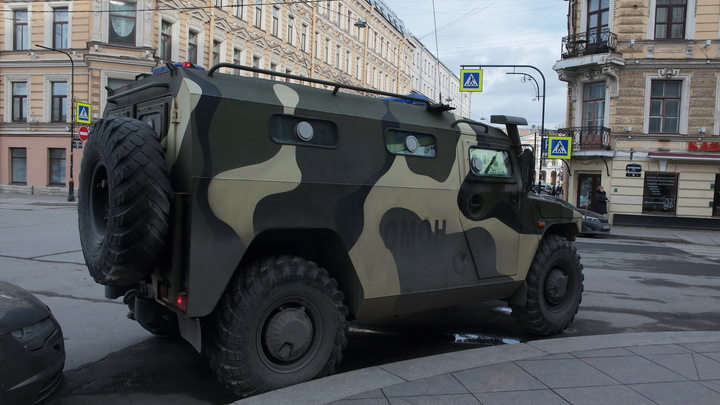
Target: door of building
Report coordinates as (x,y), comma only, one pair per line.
(716,199)
(587,184)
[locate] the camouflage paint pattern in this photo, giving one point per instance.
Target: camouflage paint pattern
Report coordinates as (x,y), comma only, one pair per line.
(403,220)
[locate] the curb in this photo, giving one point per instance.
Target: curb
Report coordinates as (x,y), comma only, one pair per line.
(342,386)
(648,238)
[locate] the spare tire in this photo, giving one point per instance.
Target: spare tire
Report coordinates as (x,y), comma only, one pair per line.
(123,201)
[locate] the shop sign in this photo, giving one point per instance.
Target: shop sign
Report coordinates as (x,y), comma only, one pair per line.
(633,170)
(704,146)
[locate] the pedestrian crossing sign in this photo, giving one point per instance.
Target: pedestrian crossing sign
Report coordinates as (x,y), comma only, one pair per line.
(83,113)
(559,147)
(471,79)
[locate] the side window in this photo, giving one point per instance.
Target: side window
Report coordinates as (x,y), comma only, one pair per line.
(408,143)
(490,163)
(294,130)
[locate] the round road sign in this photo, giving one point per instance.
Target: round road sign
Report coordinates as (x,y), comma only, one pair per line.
(83,133)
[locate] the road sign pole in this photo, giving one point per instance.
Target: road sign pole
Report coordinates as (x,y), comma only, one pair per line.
(71,104)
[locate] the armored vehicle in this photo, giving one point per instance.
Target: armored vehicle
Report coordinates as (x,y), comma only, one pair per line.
(256,218)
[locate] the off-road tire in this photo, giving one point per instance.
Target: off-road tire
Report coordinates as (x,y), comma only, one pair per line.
(554,288)
(123,201)
(267,312)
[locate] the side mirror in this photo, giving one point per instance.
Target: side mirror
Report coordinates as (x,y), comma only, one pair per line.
(527,168)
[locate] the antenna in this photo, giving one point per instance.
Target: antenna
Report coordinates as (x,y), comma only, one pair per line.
(437,56)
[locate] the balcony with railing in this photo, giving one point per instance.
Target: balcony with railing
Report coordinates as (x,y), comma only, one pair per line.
(588,43)
(588,138)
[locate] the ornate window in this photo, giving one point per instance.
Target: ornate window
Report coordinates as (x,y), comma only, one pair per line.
(59,102)
(123,16)
(19,101)
(665,98)
(670,19)
(166,41)
(192,49)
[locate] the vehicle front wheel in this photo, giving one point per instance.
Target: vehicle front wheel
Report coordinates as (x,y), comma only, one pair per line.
(554,288)
(280,322)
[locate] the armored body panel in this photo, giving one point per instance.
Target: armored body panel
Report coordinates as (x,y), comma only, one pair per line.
(406,207)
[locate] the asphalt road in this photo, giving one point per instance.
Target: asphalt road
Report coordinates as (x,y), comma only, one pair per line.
(630,286)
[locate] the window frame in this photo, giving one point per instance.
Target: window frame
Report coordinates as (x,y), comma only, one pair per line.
(58,100)
(291,29)
(133,36)
(217,52)
(64,32)
(392,135)
(239,6)
(166,40)
(684,100)
(659,189)
(669,24)
(192,46)
(275,27)
(54,181)
(594,101)
(258,18)
(664,100)
(303,37)
(20,102)
(689,22)
(238,57)
(509,177)
(21,40)
(13,160)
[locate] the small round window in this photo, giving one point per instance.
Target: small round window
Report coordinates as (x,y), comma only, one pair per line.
(411,144)
(304,131)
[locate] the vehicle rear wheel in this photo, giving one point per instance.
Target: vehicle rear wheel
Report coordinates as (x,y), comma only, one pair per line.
(555,286)
(123,201)
(281,321)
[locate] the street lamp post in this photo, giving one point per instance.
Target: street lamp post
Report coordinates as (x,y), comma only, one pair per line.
(71,182)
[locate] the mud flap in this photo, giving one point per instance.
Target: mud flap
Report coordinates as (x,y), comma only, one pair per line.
(190,331)
(520,297)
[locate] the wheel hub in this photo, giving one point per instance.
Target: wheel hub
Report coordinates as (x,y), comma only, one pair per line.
(556,287)
(288,334)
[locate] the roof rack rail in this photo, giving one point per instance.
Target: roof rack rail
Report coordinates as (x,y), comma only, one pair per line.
(471,122)
(432,107)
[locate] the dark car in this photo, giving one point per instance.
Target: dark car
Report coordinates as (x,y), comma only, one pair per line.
(543,188)
(592,222)
(32,352)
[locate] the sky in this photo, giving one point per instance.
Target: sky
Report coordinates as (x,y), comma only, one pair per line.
(497,32)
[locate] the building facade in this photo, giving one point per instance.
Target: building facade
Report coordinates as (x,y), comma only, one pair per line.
(55,54)
(644,108)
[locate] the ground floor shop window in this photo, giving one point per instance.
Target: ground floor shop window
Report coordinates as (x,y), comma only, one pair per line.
(660,193)
(57,167)
(18,156)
